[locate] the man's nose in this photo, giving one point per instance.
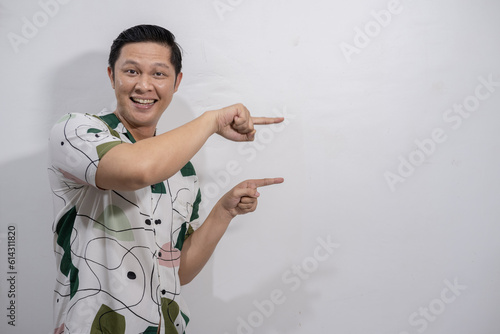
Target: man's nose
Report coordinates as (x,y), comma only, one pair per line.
(143,83)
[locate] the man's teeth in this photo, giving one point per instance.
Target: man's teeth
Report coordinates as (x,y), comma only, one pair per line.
(143,101)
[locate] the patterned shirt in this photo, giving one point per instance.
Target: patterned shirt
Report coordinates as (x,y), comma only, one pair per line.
(117,252)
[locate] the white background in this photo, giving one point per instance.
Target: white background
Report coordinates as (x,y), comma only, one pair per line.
(352,118)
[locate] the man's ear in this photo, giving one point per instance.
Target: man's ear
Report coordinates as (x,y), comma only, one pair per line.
(178,81)
(111,76)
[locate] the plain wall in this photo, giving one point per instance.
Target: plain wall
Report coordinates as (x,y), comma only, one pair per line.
(388,220)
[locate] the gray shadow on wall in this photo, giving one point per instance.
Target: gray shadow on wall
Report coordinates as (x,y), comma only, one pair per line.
(25,203)
(80,85)
(272,307)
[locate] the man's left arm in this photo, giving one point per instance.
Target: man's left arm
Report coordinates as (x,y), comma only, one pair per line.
(198,247)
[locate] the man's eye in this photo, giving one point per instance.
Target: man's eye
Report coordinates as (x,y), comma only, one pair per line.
(160,74)
(131,71)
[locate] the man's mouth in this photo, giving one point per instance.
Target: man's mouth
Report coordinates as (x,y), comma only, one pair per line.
(144,102)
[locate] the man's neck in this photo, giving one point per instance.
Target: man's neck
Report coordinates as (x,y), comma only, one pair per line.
(138,133)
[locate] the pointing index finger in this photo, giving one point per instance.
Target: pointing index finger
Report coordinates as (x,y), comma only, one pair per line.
(267,120)
(265,182)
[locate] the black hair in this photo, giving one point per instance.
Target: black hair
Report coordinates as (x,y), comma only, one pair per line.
(147,33)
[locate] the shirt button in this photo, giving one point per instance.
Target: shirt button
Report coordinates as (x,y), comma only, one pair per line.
(163,292)
(148,221)
(159,254)
(158,221)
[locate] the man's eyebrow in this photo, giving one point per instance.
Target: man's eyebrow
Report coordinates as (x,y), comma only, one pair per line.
(130,62)
(133,62)
(161,65)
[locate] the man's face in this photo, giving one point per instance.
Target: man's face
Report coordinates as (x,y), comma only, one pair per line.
(144,81)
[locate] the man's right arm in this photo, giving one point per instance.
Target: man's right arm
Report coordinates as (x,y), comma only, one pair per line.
(152,160)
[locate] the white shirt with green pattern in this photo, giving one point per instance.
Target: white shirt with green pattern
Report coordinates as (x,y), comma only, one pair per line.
(117,252)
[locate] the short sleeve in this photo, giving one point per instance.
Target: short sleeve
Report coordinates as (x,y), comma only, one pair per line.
(77,142)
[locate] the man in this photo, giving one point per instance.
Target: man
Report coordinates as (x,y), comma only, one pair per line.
(126,200)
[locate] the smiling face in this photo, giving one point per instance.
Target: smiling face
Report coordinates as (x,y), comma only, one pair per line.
(144,81)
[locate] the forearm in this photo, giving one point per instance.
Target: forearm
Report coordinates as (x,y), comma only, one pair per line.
(199,247)
(152,160)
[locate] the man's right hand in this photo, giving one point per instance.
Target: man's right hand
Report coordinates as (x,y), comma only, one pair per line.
(235,122)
